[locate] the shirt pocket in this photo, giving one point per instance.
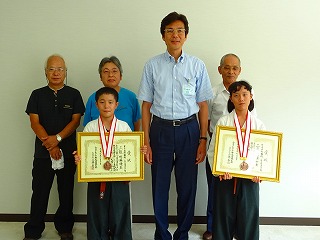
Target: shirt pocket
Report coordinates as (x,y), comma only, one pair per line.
(189,86)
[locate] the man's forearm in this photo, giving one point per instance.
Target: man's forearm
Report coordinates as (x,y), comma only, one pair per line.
(203,118)
(71,126)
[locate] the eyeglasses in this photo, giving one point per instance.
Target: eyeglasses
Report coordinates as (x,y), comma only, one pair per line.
(179,31)
(108,73)
(58,69)
(228,68)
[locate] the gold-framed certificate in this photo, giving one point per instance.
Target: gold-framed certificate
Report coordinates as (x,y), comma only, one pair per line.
(125,164)
(263,159)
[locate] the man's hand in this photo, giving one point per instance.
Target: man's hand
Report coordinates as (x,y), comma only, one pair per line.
(148,155)
(201,152)
(55,153)
(49,142)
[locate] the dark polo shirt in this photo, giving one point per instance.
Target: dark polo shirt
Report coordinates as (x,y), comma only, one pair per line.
(55,111)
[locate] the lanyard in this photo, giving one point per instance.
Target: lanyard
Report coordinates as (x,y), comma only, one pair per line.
(243,141)
(106,146)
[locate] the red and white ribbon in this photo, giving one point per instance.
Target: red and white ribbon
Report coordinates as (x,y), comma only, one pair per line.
(107,144)
(243,141)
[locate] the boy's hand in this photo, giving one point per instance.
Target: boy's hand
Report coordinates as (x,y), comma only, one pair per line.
(77,158)
(225,176)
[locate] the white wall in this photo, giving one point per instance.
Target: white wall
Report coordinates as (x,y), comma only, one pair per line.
(277,41)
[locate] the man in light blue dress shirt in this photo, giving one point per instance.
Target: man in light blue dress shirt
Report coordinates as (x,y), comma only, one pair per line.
(174,89)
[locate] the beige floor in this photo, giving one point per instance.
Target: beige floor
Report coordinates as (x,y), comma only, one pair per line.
(141,231)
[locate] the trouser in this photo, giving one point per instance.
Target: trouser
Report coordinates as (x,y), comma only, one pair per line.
(236,214)
(43,176)
(174,147)
(110,217)
(210,181)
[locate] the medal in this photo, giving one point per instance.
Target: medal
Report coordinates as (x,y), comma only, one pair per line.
(244,166)
(107,166)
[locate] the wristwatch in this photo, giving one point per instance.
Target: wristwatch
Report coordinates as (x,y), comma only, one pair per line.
(202,138)
(59,138)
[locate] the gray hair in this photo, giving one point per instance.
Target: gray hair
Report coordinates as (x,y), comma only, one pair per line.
(112,59)
(53,55)
(227,55)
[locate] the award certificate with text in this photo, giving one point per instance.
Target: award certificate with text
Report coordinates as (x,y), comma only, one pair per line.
(263,159)
(125,164)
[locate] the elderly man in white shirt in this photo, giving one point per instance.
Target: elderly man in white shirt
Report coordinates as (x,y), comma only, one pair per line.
(230,69)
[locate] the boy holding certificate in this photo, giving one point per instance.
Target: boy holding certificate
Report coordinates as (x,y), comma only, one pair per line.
(236,200)
(108,203)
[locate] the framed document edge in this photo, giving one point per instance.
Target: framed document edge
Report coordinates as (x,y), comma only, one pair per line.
(106,176)
(220,134)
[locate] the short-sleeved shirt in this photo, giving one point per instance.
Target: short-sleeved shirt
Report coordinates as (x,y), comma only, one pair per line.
(55,112)
(228,120)
(175,87)
(218,105)
(93,126)
(128,109)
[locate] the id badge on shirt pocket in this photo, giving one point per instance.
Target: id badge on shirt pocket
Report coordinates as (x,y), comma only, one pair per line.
(189,88)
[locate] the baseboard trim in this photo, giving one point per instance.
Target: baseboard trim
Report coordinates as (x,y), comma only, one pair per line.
(173,219)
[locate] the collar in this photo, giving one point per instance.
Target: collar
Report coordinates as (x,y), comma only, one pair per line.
(56,90)
(221,88)
(180,59)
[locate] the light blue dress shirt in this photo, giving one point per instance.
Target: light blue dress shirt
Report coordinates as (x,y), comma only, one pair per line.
(175,88)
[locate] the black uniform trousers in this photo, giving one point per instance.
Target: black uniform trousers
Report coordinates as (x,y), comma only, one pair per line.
(110,217)
(43,176)
(236,213)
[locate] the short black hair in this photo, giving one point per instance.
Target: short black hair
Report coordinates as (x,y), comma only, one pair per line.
(107,90)
(235,87)
(172,17)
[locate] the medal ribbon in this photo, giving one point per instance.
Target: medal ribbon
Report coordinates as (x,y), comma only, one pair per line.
(106,145)
(243,142)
